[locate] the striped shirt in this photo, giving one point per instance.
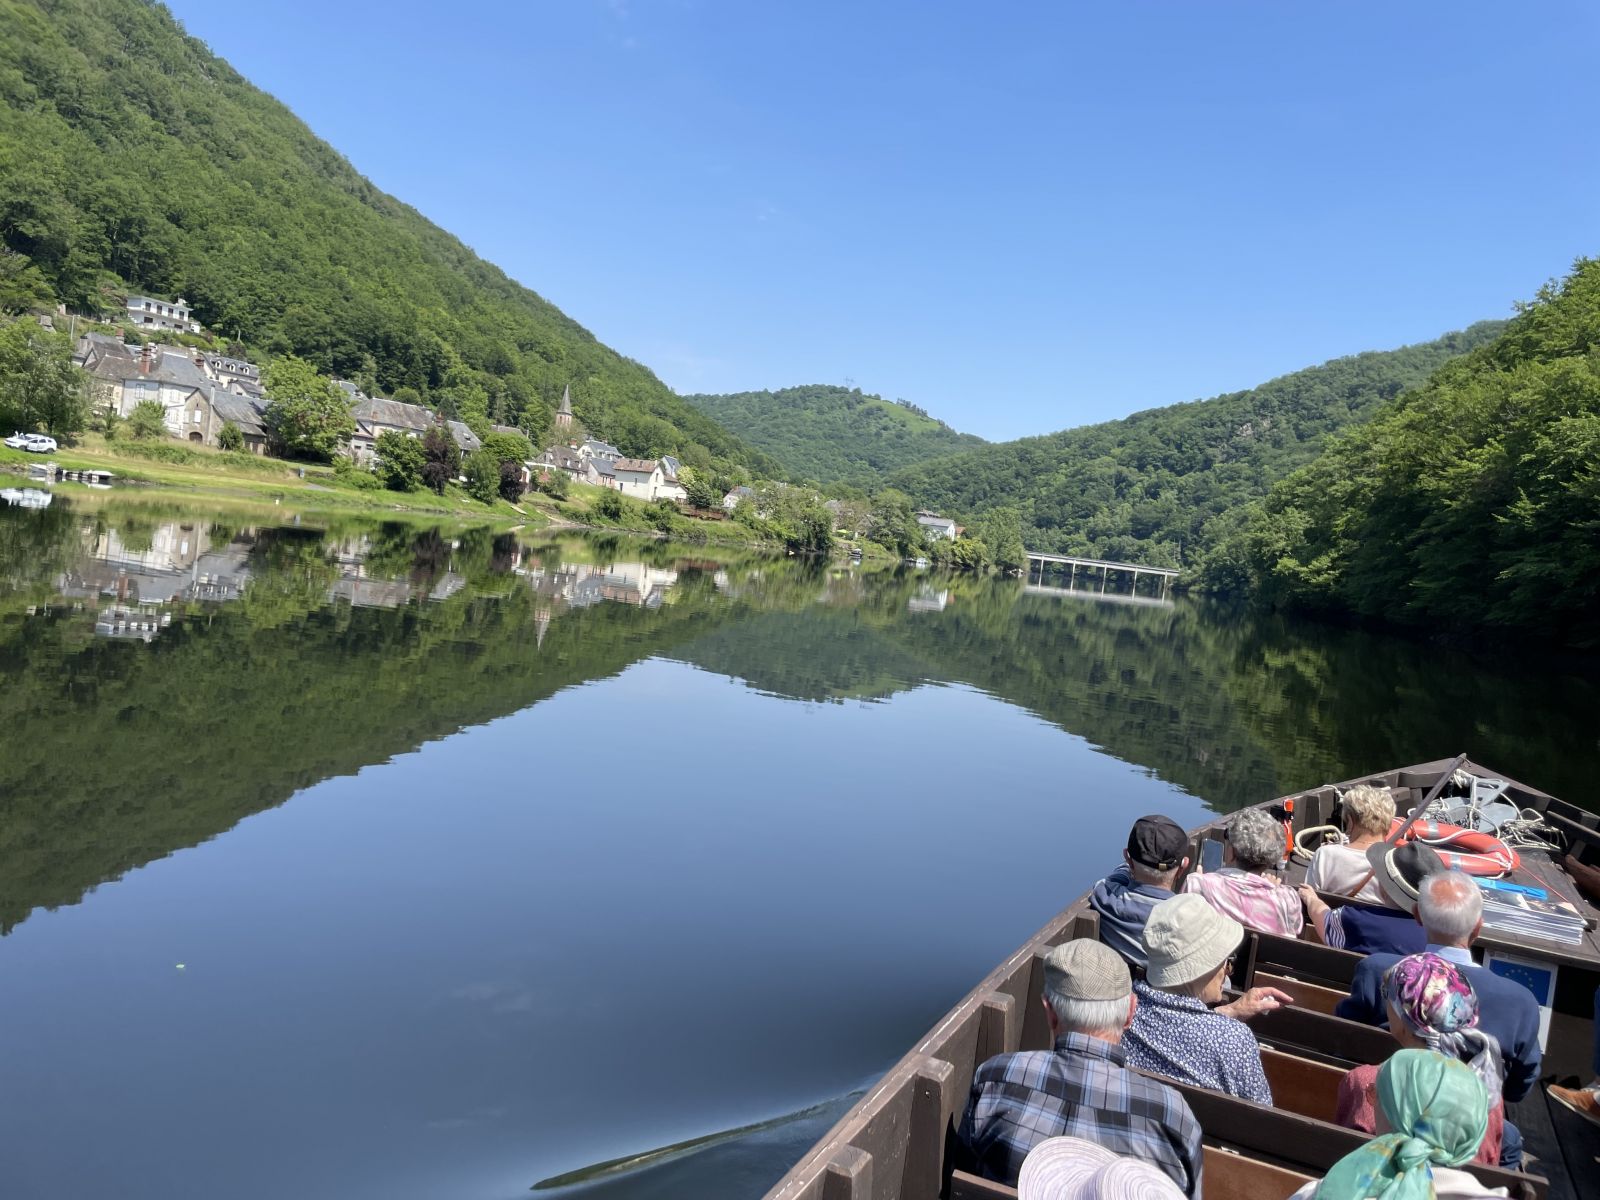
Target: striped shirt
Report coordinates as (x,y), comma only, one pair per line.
(1081,1089)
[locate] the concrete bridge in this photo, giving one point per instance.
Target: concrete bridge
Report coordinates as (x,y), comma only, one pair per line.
(1091,565)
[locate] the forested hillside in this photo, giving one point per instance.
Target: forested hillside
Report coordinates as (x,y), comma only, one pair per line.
(131,158)
(834,434)
(1471,501)
(1162,486)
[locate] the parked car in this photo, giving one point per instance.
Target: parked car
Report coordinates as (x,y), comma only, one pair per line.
(18,440)
(38,443)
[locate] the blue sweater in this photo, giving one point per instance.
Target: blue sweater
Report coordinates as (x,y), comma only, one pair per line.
(1124,906)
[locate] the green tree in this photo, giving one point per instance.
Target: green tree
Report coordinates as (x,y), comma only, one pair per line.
(508,447)
(1000,531)
(893,523)
(307,414)
(400,461)
(700,487)
(609,504)
(441,458)
(39,386)
(229,437)
(482,470)
(554,483)
(148,420)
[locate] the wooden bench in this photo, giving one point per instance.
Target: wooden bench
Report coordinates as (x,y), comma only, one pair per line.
(1301,1085)
(1227,1175)
(1305,1144)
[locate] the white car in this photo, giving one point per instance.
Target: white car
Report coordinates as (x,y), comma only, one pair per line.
(18,440)
(39,444)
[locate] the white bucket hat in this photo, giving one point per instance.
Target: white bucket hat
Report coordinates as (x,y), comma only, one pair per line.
(1069,1168)
(1185,938)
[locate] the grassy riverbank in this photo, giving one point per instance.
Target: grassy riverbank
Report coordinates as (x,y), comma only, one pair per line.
(177,470)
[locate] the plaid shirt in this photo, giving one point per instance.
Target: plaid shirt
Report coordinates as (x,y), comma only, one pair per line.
(1081,1089)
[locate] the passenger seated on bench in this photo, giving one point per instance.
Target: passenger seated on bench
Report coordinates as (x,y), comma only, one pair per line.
(1175,1032)
(1450,908)
(1124,898)
(1248,888)
(1343,869)
(1082,1087)
(1431,1007)
(1432,1115)
(1069,1168)
(1387,928)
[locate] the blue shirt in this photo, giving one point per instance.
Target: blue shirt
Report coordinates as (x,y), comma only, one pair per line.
(1179,1037)
(1124,907)
(1080,1089)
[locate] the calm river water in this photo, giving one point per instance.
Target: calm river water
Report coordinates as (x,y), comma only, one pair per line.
(379,860)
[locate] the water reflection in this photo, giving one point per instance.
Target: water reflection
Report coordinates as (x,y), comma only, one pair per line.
(528,773)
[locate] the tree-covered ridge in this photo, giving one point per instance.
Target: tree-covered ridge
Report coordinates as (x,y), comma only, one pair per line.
(1472,501)
(1162,486)
(832,434)
(133,159)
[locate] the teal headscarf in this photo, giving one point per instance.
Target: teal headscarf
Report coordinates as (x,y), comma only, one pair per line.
(1439,1112)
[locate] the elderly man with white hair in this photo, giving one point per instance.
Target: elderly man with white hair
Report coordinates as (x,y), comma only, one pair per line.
(1450,910)
(1082,1087)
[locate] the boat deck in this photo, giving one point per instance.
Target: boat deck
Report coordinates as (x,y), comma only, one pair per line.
(894,1143)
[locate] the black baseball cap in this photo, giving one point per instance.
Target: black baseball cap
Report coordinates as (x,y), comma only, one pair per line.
(1157,842)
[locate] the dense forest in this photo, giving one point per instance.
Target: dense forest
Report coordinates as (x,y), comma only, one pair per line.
(1471,501)
(1162,486)
(830,434)
(132,159)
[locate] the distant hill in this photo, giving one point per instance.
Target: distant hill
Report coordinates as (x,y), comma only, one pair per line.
(1162,486)
(133,159)
(1472,501)
(834,434)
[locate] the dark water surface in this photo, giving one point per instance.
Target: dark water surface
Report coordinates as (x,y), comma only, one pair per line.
(374,860)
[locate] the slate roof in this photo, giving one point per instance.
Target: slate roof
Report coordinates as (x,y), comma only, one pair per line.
(669,466)
(466,440)
(639,466)
(393,414)
(566,401)
(604,466)
(597,447)
(242,411)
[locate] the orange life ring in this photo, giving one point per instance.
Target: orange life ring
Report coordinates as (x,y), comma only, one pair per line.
(1462,849)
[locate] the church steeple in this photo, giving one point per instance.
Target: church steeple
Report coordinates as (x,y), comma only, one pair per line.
(564,413)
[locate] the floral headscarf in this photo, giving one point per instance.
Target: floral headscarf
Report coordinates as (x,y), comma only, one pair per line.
(1439,1112)
(1438,1004)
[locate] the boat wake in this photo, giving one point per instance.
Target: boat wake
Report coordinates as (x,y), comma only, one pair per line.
(765,1146)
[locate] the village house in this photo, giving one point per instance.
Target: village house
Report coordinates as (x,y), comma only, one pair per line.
(647,479)
(375,415)
(150,313)
(194,407)
(936,526)
(737,496)
(593,448)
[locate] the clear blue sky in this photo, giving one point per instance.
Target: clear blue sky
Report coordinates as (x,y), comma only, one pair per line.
(1022,216)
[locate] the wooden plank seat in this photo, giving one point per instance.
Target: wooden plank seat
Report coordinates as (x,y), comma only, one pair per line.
(1228,1175)
(1301,1085)
(1305,1144)
(1314,996)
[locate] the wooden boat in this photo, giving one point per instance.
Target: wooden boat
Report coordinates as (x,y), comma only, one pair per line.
(895,1143)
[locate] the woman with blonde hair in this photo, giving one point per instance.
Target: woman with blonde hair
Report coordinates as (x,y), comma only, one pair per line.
(1343,869)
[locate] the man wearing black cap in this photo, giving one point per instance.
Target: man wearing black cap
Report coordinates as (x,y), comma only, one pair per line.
(1151,865)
